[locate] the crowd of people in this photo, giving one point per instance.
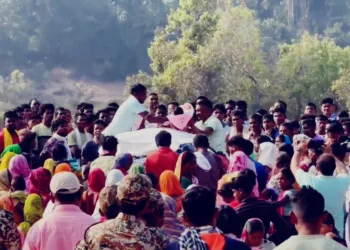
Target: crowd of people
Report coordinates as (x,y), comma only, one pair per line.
(258,182)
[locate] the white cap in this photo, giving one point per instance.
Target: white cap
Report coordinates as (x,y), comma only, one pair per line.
(65,183)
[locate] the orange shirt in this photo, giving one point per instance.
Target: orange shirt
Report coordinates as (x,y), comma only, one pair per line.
(161,160)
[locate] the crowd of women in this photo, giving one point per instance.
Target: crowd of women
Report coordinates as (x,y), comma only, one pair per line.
(258,182)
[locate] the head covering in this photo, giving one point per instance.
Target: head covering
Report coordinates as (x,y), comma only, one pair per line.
(268,154)
(6,202)
(65,183)
(33,211)
(252,226)
(39,183)
(19,167)
(179,164)
(124,161)
(169,184)
(4,180)
(108,197)
(137,169)
(5,160)
(114,177)
(15,148)
(133,189)
(96,180)
(26,133)
(50,165)
(63,167)
(238,162)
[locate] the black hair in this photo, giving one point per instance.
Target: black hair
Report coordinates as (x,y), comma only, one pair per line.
(237,141)
(295,125)
(226,191)
(287,148)
(174,103)
(262,112)
(80,105)
(163,139)
(201,97)
(201,141)
(238,113)
(335,127)
(282,138)
(178,111)
(268,117)
(343,114)
(18,109)
(288,125)
(283,103)
(327,101)
(113,104)
(102,111)
(25,106)
(137,88)
(193,202)
(228,221)
(220,107)
(110,143)
(162,107)
(10,115)
(263,138)
(307,117)
(112,109)
(154,180)
(59,152)
(231,102)
(60,109)
(326,164)
(100,122)
(189,156)
(132,209)
(18,183)
(68,198)
(248,148)
(57,123)
(30,103)
(308,205)
(242,105)
(338,150)
(153,93)
(316,146)
(35,117)
(47,106)
(309,122)
(245,180)
(283,160)
(322,118)
(256,117)
(87,106)
(80,115)
(287,173)
(206,103)
(280,110)
(311,104)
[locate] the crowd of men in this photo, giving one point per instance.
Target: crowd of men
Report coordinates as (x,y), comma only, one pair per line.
(258,182)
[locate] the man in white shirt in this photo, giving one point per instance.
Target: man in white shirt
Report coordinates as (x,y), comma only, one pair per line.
(307,216)
(131,113)
(209,126)
(333,188)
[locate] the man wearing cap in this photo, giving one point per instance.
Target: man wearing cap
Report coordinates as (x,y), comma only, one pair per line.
(66,225)
(127,231)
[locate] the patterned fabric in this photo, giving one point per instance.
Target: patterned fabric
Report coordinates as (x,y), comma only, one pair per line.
(39,183)
(33,211)
(137,169)
(191,239)
(9,236)
(133,189)
(125,232)
(108,197)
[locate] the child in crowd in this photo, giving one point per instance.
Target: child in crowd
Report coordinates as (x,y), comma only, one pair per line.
(283,161)
(328,229)
(253,235)
(286,181)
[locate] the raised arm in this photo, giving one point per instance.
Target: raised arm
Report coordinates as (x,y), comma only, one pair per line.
(301,148)
(152,119)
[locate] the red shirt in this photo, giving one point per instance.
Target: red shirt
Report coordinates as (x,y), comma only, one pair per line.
(15,140)
(161,160)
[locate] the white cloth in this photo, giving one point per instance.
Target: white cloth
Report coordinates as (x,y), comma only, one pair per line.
(268,154)
(217,138)
(49,208)
(233,131)
(142,142)
(310,242)
(333,189)
(64,140)
(126,117)
(202,161)
(114,177)
(78,136)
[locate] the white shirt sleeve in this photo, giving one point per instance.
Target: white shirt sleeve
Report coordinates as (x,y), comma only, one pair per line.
(213,123)
(305,179)
(137,107)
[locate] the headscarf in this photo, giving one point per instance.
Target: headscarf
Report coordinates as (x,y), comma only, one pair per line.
(63,167)
(268,154)
(137,169)
(49,164)
(114,177)
(5,160)
(169,184)
(39,183)
(240,161)
(19,195)
(252,226)
(15,148)
(124,162)
(19,167)
(179,165)
(4,180)
(33,211)
(96,180)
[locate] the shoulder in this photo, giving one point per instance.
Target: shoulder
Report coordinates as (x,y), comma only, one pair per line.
(235,244)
